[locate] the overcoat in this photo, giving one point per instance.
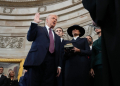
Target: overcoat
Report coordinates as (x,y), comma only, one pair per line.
(106,14)
(96,62)
(96,58)
(77,65)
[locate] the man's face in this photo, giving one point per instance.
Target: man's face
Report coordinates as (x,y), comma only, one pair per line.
(1,70)
(59,32)
(89,40)
(75,32)
(51,21)
(97,30)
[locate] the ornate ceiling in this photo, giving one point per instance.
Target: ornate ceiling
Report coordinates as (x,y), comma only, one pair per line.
(27,3)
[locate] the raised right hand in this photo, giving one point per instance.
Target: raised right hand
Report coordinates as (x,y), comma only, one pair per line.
(36,18)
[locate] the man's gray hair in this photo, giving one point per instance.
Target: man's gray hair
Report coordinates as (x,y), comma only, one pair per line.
(51,15)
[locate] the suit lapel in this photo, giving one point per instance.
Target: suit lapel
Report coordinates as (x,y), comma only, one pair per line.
(78,39)
(56,40)
(73,40)
(46,32)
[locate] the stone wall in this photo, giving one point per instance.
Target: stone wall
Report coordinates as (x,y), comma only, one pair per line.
(15,22)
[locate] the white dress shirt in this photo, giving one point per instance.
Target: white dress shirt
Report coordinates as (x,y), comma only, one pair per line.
(48,30)
(75,37)
(61,39)
(90,47)
(0,75)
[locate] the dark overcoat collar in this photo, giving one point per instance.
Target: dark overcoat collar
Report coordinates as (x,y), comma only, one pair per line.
(78,39)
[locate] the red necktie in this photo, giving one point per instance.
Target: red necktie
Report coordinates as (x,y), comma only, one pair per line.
(51,46)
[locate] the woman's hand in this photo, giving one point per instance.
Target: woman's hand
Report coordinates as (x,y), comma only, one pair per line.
(76,49)
(92,72)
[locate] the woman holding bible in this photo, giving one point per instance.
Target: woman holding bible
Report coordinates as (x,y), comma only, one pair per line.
(77,65)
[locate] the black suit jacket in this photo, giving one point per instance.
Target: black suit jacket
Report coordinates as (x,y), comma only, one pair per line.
(3,80)
(106,14)
(40,46)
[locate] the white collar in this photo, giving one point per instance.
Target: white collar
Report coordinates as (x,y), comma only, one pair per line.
(61,39)
(48,27)
(90,47)
(0,75)
(75,37)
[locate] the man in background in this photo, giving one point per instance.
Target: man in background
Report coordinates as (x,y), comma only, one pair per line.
(59,32)
(3,79)
(90,41)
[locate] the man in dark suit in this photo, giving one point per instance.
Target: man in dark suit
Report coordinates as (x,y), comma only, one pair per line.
(43,59)
(90,42)
(59,32)
(3,79)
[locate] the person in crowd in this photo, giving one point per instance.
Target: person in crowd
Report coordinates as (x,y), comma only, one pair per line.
(11,80)
(90,42)
(23,79)
(43,59)
(106,14)
(59,32)
(3,79)
(77,65)
(96,60)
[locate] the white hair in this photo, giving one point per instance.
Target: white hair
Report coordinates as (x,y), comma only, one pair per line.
(49,16)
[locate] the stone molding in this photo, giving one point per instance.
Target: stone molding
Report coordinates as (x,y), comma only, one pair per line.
(10,42)
(5,10)
(43,22)
(44,8)
(45,17)
(76,1)
(41,12)
(29,4)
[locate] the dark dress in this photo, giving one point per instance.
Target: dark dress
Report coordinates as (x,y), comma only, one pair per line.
(12,82)
(77,65)
(96,62)
(106,14)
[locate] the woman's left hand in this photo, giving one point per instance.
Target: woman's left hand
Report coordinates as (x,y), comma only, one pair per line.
(76,49)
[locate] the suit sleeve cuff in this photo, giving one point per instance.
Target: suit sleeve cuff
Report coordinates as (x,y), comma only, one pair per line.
(59,67)
(34,22)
